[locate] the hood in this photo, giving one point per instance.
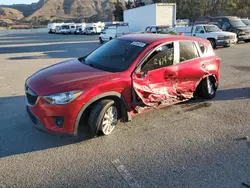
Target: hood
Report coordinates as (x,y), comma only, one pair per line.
(65,76)
(245,29)
(225,33)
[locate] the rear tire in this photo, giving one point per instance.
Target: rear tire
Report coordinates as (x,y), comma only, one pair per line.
(207,89)
(103,117)
(247,41)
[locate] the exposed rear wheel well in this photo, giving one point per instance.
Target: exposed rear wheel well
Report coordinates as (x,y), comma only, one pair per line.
(198,87)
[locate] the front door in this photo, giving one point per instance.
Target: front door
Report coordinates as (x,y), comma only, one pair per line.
(155,79)
(199,32)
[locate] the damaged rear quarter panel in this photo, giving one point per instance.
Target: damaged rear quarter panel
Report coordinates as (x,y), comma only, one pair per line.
(176,83)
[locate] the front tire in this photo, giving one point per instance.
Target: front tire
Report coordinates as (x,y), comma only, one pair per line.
(207,89)
(213,43)
(101,41)
(103,117)
(247,41)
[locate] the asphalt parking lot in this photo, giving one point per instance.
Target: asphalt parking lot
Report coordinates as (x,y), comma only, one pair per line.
(195,145)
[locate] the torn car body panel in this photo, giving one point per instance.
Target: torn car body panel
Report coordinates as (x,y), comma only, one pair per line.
(173,84)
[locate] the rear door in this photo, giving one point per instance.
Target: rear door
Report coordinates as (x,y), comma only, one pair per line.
(189,69)
(195,60)
(154,81)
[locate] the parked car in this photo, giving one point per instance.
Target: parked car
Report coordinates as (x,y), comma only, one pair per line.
(161,29)
(126,76)
(216,36)
(246,21)
(232,24)
(113,31)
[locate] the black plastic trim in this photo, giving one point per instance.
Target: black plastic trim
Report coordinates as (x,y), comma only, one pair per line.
(108,94)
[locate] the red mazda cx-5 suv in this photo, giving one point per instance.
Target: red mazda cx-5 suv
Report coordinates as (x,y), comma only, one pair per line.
(124,77)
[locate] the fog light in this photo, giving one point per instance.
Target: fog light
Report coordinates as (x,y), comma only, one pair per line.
(59,121)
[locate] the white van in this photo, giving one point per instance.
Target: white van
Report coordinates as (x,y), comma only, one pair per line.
(68,28)
(94,28)
(113,31)
(53,26)
(80,28)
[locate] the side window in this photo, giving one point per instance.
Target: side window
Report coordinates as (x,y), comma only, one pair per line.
(163,56)
(153,30)
(199,29)
(225,26)
(188,51)
(148,29)
(206,50)
(203,48)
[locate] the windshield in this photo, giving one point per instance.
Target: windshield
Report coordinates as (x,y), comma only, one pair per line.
(247,22)
(211,28)
(65,27)
(115,56)
(237,23)
(165,30)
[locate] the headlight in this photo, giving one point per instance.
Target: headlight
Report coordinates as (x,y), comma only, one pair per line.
(221,37)
(242,33)
(62,98)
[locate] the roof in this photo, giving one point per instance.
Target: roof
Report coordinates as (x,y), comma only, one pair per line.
(149,38)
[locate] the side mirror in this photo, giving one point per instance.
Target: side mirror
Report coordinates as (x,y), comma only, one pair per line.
(202,31)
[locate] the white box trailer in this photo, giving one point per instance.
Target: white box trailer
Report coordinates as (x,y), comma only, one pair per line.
(154,14)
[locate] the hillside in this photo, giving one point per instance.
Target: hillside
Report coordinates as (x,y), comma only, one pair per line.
(9,16)
(64,10)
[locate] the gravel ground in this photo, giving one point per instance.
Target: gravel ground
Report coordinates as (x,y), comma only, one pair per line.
(196,144)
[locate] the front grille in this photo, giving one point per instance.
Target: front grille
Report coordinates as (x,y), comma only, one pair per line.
(31,96)
(32,117)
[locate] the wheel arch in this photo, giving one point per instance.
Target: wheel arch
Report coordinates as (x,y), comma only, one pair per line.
(117,97)
(212,76)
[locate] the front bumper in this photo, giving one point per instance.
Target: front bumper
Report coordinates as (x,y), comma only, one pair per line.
(226,42)
(244,37)
(43,116)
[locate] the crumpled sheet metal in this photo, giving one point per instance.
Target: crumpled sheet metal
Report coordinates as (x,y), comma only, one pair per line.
(156,94)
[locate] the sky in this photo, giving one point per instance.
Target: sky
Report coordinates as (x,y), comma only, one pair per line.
(10,2)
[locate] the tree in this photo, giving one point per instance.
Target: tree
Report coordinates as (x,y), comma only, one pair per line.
(118,12)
